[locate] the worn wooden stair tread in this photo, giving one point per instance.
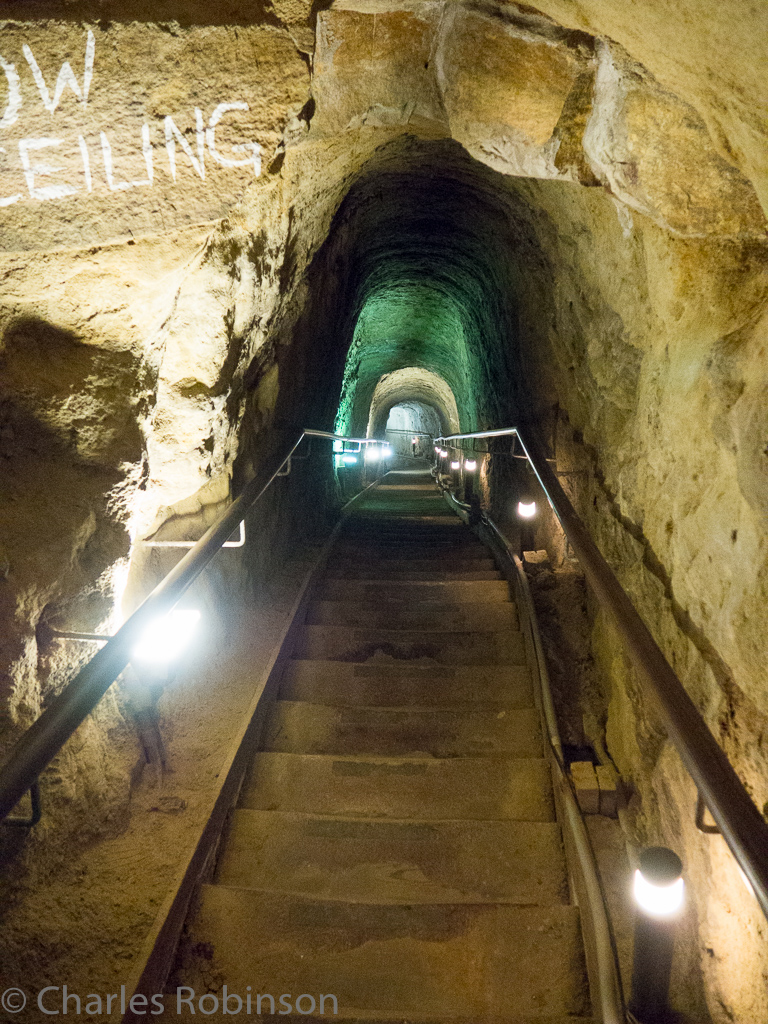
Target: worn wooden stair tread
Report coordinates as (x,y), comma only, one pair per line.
(395,861)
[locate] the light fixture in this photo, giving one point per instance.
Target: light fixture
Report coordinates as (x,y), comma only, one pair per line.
(455,464)
(470,465)
(387,451)
(165,638)
(372,453)
(350,460)
(526,509)
(338,446)
(659,892)
(658,900)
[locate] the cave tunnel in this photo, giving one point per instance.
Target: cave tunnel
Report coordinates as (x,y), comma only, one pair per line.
(381,222)
(412,426)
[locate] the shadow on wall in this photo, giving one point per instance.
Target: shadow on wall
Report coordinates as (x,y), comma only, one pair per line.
(72,456)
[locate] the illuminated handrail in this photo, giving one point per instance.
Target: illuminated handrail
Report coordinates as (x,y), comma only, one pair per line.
(741,824)
(36,748)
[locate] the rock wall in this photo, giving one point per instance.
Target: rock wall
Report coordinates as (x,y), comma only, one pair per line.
(654,349)
(200,228)
(128,320)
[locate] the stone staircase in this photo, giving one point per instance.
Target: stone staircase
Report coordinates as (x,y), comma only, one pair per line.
(395,843)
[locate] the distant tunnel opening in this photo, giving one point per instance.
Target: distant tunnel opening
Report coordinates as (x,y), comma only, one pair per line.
(417,277)
(410,427)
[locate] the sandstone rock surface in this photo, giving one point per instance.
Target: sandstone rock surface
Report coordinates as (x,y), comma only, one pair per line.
(554,219)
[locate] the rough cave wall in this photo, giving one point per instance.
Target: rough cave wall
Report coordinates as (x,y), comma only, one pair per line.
(128,321)
(655,348)
(148,314)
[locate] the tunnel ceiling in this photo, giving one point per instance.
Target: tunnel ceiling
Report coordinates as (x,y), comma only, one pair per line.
(432,283)
(413,324)
(439,258)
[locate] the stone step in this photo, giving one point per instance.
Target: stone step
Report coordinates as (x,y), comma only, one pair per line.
(392,546)
(440,563)
(372,573)
(453,591)
(480,788)
(378,534)
(434,518)
(341,643)
(395,960)
(388,509)
(424,512)
(298,727)
(406,545)
(421,615)
(413,1018)
(346,684)
(369,861)
(392,541)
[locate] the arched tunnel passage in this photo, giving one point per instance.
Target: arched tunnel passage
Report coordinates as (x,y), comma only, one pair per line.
(522,295)
(410,427)
(634,306)
(412,399)
(418,273)
(422,290)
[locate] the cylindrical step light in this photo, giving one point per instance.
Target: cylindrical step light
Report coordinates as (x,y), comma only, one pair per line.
(455,473)
(659,895)
(470,465)
(526,512)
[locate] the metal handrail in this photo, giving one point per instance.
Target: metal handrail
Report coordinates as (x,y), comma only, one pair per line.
(605,976)
(37,747)
(609,995)
(741,824)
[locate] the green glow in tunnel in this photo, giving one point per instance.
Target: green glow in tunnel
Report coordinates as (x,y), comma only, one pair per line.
(418,275)
(406,324)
